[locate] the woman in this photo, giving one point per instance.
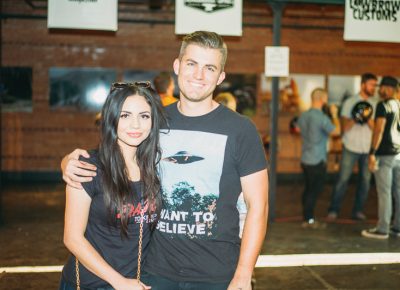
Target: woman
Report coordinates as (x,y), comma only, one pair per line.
(107,219)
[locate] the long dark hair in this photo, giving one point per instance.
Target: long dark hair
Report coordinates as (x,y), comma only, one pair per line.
(116,183)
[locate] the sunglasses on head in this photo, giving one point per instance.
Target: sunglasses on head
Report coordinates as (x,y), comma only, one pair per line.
(141,84)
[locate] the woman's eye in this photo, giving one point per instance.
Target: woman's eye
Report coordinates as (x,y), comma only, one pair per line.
(145,116)
(124,116)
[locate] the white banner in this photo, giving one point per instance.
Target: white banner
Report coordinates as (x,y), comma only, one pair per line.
(277,61)
(83,14)
(372,20)
(221,16)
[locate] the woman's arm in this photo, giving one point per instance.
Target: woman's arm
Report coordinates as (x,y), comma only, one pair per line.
(76,218)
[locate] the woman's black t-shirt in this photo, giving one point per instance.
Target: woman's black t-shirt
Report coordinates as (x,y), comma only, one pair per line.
(104,233)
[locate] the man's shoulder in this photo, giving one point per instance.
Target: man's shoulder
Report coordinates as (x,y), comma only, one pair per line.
(313,113)
(234,120)
(373,100)
(352,100)
(314,116)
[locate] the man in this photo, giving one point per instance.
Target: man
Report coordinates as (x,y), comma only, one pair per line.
(164,85)
(384,159)
(315,129)
(356,140)
(210,155)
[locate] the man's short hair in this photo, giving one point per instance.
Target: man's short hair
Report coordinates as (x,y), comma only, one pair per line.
(205,39)
(368,76)
(162,82)
(318,93)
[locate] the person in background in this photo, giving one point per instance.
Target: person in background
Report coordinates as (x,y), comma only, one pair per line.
(384,160)
(315,128)
(165,86)
(226,99)
(356,139)
(107,221)
(210,155)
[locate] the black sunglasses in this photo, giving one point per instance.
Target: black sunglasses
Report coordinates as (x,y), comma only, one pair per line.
(141,84)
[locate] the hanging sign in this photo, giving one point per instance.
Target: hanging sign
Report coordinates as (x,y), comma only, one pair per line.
(83,14)
(372,20)
(221,16)
(277,61)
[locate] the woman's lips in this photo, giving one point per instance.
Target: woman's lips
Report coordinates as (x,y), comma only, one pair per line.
(134,135)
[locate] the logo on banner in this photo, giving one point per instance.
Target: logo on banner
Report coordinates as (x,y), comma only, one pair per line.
(209,5)
(375,10)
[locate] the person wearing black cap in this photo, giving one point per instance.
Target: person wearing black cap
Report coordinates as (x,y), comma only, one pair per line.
(384,160)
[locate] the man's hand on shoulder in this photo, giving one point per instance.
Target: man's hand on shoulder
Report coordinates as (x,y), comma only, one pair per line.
(76,171)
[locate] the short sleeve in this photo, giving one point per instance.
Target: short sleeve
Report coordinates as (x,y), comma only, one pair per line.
(346,108)
(250,153)
(380,111)
(327,125)
(301,123)
(92,186)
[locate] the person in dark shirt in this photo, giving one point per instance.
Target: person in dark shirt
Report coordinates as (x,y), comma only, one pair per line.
(384,160)
(109,217)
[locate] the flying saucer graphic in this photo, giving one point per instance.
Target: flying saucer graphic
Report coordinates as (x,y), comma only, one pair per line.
(183,157)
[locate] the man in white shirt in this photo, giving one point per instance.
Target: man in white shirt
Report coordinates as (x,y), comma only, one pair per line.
(356,141)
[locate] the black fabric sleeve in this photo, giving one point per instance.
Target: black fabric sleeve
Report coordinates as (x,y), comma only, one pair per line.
(380,111)
(91,187)
(250,154)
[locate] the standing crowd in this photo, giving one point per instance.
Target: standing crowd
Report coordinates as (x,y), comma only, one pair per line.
(370,133)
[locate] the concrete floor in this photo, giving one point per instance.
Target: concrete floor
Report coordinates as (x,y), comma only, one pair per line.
(32,236)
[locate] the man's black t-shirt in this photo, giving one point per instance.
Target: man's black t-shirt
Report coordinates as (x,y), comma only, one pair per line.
(203,159)
(105,235)
(390,110)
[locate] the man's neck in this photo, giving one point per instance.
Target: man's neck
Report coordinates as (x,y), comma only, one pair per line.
(363,95)
(195,109)
(316,106)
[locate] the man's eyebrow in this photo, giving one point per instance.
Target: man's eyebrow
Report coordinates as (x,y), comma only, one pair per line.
(191,60)
(207,65)
(211,65)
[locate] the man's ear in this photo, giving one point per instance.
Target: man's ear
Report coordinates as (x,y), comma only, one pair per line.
(221,78)
(176,66)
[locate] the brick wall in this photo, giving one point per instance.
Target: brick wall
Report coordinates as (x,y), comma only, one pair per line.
(36,141)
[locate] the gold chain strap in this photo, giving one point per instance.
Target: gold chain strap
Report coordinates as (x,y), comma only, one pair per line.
(78,280)
(139,259)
